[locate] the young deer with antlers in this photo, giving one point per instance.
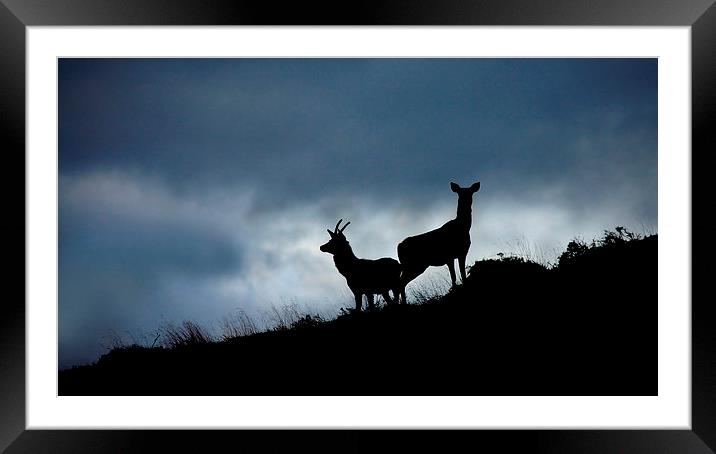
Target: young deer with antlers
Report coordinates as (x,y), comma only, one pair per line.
(440,246)
(364,277)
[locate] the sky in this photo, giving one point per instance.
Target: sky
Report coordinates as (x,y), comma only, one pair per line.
(194,189)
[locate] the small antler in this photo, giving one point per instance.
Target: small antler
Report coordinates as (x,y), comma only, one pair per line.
(336,231)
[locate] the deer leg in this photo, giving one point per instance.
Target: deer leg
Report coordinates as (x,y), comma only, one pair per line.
(359,301)
(403,282)
(396,295)
(404,279)
(461,262)
(371,300)
(387,299)
(451,267)
(406,276)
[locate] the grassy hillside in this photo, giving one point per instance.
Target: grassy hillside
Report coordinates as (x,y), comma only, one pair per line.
(586,326)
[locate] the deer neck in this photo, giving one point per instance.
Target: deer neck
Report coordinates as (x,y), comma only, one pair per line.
(464,214)
(344,260)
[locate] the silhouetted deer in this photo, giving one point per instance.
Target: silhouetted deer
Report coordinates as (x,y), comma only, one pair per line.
(440,246)
(364,277)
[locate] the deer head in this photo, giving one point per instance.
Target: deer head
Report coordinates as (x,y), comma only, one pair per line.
(462,192)
(338,241)
(464,199)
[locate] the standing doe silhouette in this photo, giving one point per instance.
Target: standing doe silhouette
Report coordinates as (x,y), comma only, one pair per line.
(364,277)
(440,246)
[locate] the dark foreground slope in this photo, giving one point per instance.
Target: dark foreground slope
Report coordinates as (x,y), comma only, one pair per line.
(586,327)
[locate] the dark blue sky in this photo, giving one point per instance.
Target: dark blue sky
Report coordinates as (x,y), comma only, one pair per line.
(190,188)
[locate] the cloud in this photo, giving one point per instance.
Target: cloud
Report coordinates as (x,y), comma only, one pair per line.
(302,128)
(122,243)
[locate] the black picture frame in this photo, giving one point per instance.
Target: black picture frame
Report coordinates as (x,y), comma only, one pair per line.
(16,15)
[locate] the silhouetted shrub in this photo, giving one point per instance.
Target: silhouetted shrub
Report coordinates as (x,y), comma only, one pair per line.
(576,248)
(507,267)
(617,237)
(307,321)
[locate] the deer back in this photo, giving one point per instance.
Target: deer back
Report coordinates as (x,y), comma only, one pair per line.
(436,247)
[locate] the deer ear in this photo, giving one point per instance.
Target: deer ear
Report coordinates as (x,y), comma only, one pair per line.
(329,232)
(475,187)
(454,187)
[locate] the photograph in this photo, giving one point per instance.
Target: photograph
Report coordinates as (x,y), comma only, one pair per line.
(410,228)
(357,226)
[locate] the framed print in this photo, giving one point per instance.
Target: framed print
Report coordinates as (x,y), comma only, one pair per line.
(167,166)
